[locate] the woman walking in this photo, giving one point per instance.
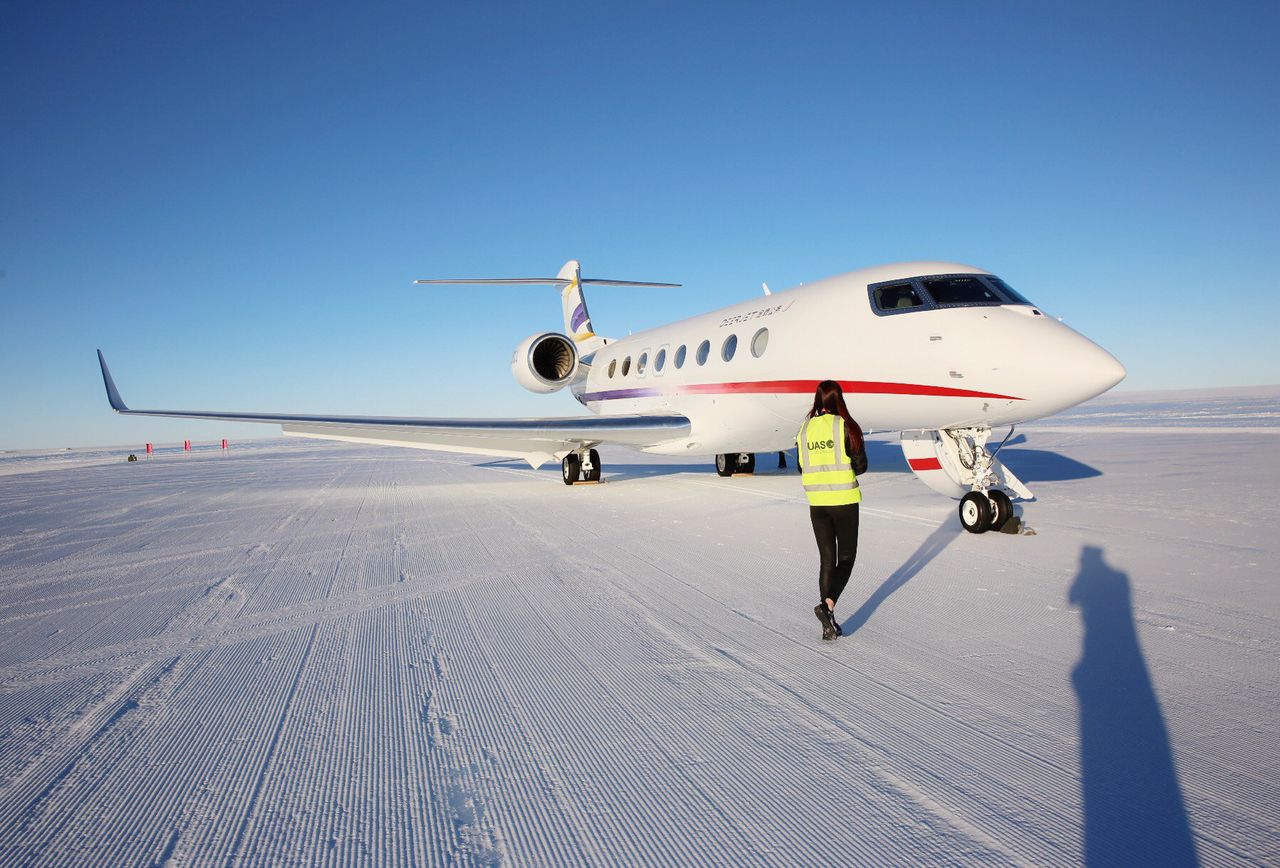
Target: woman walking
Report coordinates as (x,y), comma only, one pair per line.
(832,454)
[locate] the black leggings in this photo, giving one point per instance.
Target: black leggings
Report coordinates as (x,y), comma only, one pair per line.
(836,529)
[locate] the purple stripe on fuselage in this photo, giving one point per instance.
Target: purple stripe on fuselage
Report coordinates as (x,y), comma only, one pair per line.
(579,317)
(620,393)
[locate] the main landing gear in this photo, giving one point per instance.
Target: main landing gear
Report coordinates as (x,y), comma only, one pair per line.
(580,466)
(729,463)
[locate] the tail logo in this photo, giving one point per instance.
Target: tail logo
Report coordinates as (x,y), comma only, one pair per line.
(579,317)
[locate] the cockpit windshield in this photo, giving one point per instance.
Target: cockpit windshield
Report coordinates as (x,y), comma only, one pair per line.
(897,296)
(960,290)
(944,290)
(1006,290)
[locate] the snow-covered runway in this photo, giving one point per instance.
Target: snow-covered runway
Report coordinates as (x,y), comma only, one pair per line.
(319,653)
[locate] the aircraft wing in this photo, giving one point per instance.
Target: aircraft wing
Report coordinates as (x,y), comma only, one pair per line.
(535,440)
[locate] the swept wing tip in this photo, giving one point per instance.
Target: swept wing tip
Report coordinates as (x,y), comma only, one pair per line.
(113,394)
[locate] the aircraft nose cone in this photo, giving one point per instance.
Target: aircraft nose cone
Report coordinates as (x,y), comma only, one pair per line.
(1103,370)
(1057,368)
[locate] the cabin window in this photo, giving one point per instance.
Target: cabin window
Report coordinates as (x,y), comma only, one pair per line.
(659,360)
(729,347)
(642,363)
(759,343)
(704,350)
(626,366)
(966,290)
(680,357)
(613,368)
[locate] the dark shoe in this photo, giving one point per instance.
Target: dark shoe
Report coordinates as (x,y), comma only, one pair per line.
(829,628)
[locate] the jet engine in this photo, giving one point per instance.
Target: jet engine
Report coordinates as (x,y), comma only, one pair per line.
(545,363)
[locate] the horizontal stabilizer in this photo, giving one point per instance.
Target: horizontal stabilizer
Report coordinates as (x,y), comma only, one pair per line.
(545,281)
(570,275)
(577,322)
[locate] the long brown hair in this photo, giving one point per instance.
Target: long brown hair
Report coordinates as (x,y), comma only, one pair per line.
(829,398)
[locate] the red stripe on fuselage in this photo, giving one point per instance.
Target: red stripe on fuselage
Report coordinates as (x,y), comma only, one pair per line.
(855,387)
(919,464)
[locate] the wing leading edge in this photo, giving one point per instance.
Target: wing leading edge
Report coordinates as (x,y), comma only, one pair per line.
(535,440)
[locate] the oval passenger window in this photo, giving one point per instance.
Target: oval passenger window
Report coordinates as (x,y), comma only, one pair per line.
(730,347)
(759,342)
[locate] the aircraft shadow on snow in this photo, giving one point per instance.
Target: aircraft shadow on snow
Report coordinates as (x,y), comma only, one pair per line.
(883,456)
(1031,465)
(1133,808)
(617,471)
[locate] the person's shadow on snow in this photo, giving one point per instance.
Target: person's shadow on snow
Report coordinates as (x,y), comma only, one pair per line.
(920,558)
(1133,808)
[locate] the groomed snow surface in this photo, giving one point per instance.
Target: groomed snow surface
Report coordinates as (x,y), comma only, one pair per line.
(316,653)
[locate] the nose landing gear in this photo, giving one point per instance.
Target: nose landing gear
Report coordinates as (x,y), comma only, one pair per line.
(981,511)
(956,462)
(986,507)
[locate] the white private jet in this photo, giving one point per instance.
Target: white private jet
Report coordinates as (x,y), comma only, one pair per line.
(938,351)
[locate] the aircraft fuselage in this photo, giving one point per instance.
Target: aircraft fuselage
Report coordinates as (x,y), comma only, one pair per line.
(931,367)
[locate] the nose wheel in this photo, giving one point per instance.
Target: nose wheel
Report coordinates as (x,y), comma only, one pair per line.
(1001,508)
(980,511)
(975,512)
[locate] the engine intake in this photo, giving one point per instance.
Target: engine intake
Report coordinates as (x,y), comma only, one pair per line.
(545,363)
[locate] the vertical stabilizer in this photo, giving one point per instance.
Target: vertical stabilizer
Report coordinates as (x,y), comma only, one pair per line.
(577,322)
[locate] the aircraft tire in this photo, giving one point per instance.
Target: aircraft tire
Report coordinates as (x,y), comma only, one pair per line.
(570,468)
(748,466)
(1001,508)
(975,512)
(593,475)
(725,464)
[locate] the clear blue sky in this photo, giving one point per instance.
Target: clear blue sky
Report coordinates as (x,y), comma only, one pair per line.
(231,199)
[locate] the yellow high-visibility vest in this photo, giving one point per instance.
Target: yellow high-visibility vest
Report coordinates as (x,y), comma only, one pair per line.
(825,468)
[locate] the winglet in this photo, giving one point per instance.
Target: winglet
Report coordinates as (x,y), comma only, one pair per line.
(113,394)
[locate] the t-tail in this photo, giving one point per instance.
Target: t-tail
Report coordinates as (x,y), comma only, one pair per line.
(577,322)
(573,304)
